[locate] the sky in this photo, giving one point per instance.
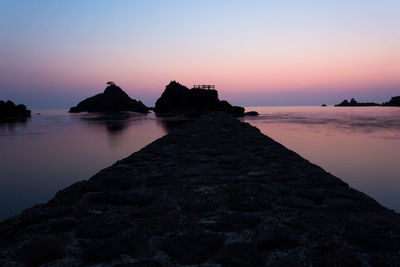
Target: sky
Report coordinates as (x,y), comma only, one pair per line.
(55,53)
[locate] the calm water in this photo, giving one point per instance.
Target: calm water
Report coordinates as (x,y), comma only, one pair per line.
(360,145)
(54,149)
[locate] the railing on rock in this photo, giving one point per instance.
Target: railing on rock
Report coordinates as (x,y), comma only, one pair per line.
(204,86)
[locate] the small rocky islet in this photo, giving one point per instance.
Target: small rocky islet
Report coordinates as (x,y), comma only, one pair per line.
(177,98)
(213,192)
(9,111)
(113,99)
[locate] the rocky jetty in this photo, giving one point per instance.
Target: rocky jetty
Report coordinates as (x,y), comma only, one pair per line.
(177,98)
(114,99)
(9,111)
(213,192)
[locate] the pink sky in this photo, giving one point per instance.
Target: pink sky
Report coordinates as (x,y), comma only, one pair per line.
(259,54)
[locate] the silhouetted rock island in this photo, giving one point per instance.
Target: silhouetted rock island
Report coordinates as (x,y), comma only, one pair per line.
(394,102)
(113,99)
(213,192)
(177,98)
(354,103)
(8,110)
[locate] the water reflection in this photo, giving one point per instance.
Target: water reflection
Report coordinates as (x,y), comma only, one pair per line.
(115,123)
(359,145)
(170,123)
(11,124)
(56,149)
(360,120)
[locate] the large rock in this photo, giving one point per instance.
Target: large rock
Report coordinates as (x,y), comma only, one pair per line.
(177,98)
(113,99)
(10,110)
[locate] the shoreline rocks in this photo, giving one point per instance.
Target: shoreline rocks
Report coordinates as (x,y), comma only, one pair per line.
(113,99)
(214,191)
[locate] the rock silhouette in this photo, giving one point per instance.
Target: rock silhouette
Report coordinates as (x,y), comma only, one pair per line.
(114,99)
(251,113)
(113,122)
(8,110)
(177,98)
(394,102)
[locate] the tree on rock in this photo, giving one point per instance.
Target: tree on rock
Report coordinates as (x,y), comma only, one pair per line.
(111,83)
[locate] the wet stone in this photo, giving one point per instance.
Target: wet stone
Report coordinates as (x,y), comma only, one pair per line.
(373,240)
(101,251)
(119,198)
(160,181)
(70,194)
(279,239)
(41,251)
(234,222)
(298,202)
(257,173)
(97,229)
(241,254)
(62,225)
(108,186)
(333,254)
(145,263)
(247,202)
(198,206)
(96,251)
(192,249)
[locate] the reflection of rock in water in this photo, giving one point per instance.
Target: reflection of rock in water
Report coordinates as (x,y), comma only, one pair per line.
(10,124)
(12,115)
(115,122)
(171,121)
(169,125)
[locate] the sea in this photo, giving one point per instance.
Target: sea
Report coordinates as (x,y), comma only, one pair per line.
(53,149)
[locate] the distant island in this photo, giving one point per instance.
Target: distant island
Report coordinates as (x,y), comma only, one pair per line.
(177,98)
(113,99)
(394,102)
(9,110)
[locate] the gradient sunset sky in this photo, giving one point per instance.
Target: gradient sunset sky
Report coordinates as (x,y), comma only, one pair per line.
(55,53)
